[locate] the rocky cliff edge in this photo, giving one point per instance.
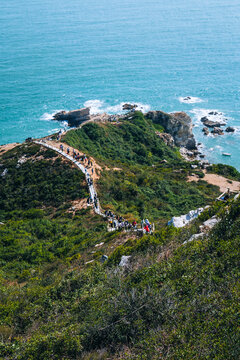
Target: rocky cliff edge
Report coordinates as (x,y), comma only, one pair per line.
(179,125)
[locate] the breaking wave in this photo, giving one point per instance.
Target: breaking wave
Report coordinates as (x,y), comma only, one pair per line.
(213,115)
(99,106)
(48,116)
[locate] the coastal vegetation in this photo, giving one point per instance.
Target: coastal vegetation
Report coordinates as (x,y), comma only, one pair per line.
(174,300)
(151,178)
(225,170)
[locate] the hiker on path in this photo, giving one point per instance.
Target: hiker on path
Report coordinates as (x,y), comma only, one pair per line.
(146,228)
(147,222)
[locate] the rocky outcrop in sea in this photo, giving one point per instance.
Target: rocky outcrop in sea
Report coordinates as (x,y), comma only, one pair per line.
(215,126)
(74,117)
(178,124)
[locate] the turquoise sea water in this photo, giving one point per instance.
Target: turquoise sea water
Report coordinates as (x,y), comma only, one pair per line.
(61,54)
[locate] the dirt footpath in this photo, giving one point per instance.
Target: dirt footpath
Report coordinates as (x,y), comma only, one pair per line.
(5,148)
(218,180)
(96,168)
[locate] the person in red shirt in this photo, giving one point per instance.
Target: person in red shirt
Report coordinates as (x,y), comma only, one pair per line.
(146,228)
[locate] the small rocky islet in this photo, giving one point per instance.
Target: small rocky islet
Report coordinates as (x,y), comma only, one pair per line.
(215,127)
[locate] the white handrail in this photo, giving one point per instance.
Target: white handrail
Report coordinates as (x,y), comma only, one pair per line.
(92,190)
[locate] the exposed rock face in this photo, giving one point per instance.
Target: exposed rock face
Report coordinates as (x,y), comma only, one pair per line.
(229,129)
(179,125)
(214,113)
(217,131)
(204,118)
(209,224)
(75,117)
(205,130)
(183,220)
(195,237)
(167,138)
(125,261)
(129,107)
(212,124)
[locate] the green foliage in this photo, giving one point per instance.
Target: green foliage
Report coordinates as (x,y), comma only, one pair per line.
(200,174)
(64,344)
(225,170)
(184,306)
(174,301)
(132,142)
(144,186)
(36,183)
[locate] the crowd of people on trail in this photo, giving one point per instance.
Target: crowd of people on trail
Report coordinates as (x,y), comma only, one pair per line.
(119,223)
(88,164)
(83,158)
(115,222)
(93,200)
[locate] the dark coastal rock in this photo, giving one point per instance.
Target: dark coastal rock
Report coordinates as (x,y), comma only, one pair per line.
(29,140)
(214,113)
(230,129)
(129,106)
(75,117)
(205,130)
(167,138)
(204,118)
(217,131)
(179,125)
(212,124)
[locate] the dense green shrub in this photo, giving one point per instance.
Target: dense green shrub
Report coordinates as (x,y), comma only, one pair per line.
(225,170)
(38,183)
(174,301)
(145,186)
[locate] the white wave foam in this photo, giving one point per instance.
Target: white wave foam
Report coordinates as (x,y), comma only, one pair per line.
(98,107)
(237,130)
(213,115)
(95,106)
(190,100)
(53,131)
(49,116)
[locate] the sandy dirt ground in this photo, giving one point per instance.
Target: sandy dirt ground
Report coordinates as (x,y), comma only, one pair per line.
(4,148)
(218,180)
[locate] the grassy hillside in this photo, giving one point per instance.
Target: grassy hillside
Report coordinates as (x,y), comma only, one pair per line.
(174,302)
(35,178)
(151,177)
(59,301)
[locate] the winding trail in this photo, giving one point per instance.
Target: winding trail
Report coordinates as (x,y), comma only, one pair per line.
(92,190)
